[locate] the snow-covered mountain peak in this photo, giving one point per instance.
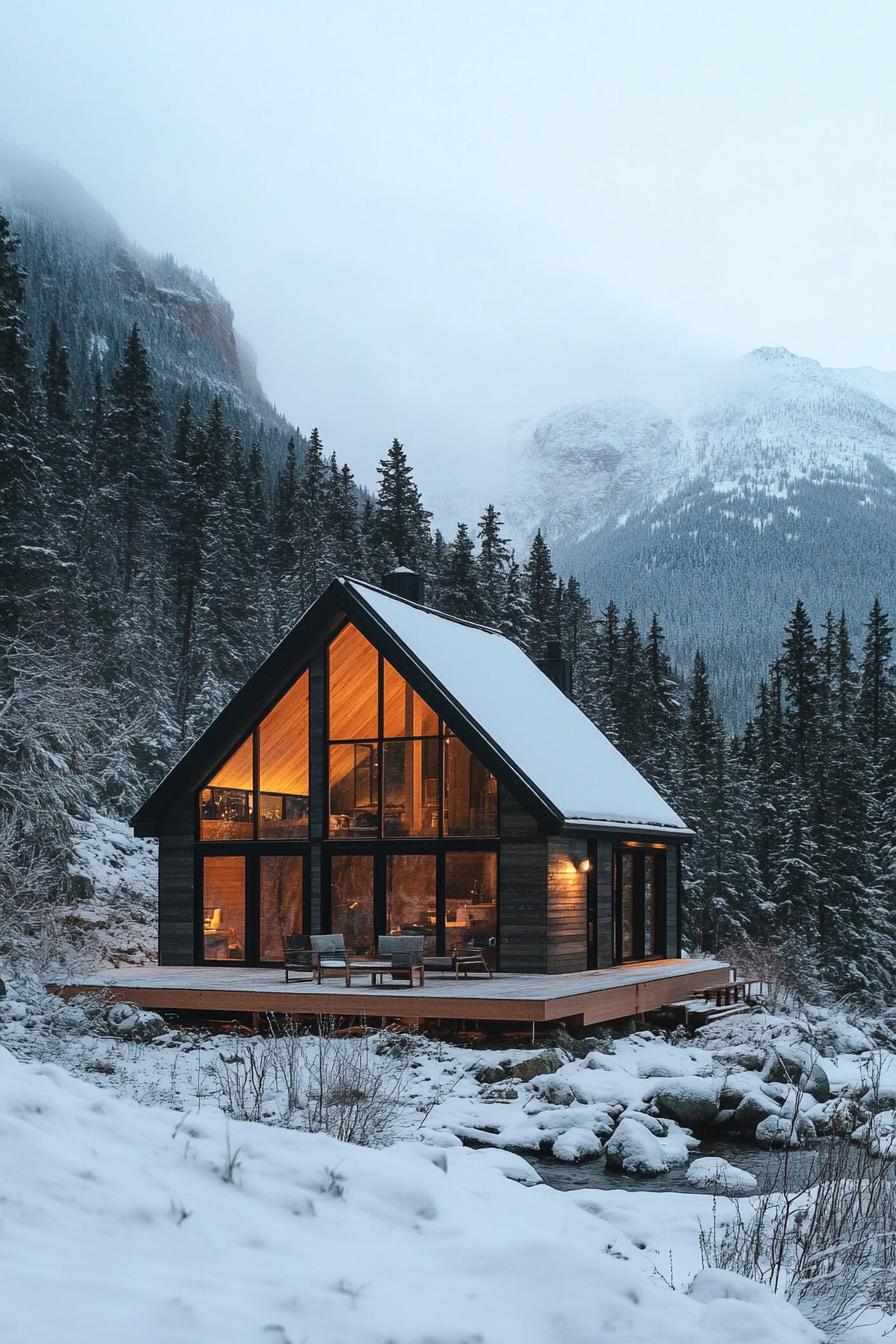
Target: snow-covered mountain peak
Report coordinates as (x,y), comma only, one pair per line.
(720,510)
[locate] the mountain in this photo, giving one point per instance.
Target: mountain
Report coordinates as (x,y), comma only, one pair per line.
(86,275)
(779,481)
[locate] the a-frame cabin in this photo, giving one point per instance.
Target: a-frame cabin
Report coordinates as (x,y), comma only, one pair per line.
(392,769)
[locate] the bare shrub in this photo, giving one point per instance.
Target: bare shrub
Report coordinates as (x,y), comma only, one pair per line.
(784,964)
(826,1239)
(316,1081)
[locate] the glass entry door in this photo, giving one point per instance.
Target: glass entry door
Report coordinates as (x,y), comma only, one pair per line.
(639,891)
(250,904)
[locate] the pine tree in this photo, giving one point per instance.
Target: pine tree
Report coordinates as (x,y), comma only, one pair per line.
(402,521)
(494,565)
(134,435)
(540,589)
(459,588)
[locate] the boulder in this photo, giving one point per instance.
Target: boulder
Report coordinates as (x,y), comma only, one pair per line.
(489,1073)
(135,1024)
(576,1144)
(797,1067)
(714,1173)
(776,1132)
(499,1093)
(635,1151)
(555,1091)
(755,1107)
(657,1128)
(548,1061)
(744,1058)
(511,1165)
(691,1101)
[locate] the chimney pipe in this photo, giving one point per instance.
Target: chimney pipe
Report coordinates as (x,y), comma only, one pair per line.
(555,666)
(406,583)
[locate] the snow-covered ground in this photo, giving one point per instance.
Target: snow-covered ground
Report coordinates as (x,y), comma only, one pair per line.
(121,1221)
(136,1200)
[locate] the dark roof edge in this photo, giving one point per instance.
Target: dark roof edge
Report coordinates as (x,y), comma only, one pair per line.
(281,666)
(597,824)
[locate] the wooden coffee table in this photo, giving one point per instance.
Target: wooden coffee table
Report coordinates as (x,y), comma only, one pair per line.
(377,967)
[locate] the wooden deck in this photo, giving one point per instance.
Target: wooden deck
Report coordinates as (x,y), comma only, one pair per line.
(582,999)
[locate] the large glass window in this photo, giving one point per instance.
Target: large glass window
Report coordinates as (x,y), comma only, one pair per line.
(471,792)
(471,902)
(411,787)
(404,713)
(225,805)
(283,767)
(353,686)
(224,907)
(354,790)
(411,896)
(386,772)
(351,901)
(627,905)
(279,903)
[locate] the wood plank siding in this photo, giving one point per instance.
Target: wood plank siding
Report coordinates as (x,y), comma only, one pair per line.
(176,886)
(567,904)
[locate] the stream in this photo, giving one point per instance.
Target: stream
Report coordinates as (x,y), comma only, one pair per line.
(768,1168)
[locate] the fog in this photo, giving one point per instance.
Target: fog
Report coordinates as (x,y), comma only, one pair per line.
(434,220)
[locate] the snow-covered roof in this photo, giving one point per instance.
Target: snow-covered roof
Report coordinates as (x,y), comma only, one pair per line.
(533,724)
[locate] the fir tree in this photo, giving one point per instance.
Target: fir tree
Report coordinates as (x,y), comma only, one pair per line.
(402,521)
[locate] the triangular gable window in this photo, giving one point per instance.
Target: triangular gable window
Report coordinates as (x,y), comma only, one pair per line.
(226,803)
(394,768)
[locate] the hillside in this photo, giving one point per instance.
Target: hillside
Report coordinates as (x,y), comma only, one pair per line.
(96,283)
(779,482)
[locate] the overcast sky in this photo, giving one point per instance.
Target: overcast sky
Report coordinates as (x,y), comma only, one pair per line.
(433,220)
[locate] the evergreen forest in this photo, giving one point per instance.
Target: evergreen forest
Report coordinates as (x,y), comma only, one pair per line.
(149,562)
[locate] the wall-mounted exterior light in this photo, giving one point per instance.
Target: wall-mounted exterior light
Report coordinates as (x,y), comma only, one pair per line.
(585,866)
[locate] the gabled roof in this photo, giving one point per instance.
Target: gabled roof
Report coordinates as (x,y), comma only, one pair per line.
(522,726)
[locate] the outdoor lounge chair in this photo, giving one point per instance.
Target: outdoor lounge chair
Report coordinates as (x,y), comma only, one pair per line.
(329,957)
(297,955)
(406,954)
(459,959)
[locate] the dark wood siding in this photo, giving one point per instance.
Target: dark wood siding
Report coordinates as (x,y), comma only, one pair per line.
(567,904)
(673,932)
(523,912)
(176,886)
(606,953)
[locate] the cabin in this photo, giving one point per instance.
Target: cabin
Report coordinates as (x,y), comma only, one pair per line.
(390,769)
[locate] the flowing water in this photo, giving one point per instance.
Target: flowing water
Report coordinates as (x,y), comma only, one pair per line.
(771,1170)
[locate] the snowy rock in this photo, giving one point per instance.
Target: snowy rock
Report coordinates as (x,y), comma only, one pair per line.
(135,1023)
(511,1165)
(799,1068)
(882,1094)
(836,1036)
(776,1132)
(880,1134)
(714,1173)
(742,1309)
(577,1145)
(737,1085)
(14,1011)
(555,1091)
(634,1150)
(743,1058)
(656,1127)
(546,1062)
(489,1073)
(755,1107)
(691,1101)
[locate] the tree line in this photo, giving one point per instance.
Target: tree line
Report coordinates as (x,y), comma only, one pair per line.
(144,575)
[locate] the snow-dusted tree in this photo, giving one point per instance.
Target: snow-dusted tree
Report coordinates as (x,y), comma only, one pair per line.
(402,523)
